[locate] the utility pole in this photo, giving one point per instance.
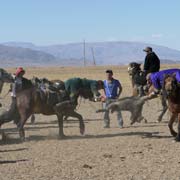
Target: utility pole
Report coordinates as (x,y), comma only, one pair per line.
(84,53)
(94,61)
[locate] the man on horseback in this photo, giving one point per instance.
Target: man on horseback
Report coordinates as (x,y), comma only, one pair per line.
(155,80)
(112,89)
(19,84)
(152,62)
(151,65)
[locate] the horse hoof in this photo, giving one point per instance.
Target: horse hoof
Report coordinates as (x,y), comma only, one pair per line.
(61,137)
(32,120)
(82,131)
(174,134)
(23,139)
(177,138)
(4,137)
(159,120)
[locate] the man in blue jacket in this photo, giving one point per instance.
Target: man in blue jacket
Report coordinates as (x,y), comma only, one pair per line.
(112,89)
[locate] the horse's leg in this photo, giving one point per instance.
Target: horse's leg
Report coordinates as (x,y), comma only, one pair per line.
(135,91)
(170,124)
(65,118)
(32,118)
(165,107)
(80,118)
(178,134)
(133,120)
(24,115)
(60,122)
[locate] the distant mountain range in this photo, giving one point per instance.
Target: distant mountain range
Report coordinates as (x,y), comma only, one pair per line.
(105,53)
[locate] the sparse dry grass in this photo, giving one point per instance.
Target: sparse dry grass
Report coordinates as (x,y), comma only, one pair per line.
(142,151)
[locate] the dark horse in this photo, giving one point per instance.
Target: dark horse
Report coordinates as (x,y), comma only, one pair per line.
(29,101)
(54,85)
(138,80)
(172,90)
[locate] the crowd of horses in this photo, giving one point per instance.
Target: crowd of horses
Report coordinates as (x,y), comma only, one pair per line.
(30,102)
(169,96)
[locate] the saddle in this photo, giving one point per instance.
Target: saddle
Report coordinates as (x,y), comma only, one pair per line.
(51,93)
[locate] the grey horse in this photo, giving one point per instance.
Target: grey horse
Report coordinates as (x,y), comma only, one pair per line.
(132,104)
(5,77)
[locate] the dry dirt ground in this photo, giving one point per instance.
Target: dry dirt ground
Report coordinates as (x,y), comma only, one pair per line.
(142,151)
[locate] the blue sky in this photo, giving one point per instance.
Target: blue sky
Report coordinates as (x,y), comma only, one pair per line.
(46,22)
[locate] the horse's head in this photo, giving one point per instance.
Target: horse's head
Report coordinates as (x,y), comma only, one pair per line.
(170,84)
(86,94)
(133,68)
(5,77)
(92,94)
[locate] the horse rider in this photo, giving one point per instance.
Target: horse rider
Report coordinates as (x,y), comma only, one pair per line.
(19,84)
(155,80)
(112,90)
(77,86)
(152,62)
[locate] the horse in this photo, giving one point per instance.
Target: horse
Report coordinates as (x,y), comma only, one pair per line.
(132,104)
(138,80)
(54,85)
(29,101)
(5,77)
(172,89)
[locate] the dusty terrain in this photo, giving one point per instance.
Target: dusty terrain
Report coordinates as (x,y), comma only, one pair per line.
(142,151)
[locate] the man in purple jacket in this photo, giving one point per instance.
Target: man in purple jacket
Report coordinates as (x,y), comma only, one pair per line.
(156,79)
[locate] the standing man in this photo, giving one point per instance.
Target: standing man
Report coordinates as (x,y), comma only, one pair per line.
(112,89)
(152,62)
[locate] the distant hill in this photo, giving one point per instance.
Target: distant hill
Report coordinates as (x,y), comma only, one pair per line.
(106,53)
(17,56)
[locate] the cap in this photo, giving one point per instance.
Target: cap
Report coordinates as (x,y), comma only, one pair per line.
(109,71)
(148,49)
(19,70)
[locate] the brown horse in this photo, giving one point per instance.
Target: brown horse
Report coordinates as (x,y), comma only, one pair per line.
(172,89)
(38,82)
(29,102)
